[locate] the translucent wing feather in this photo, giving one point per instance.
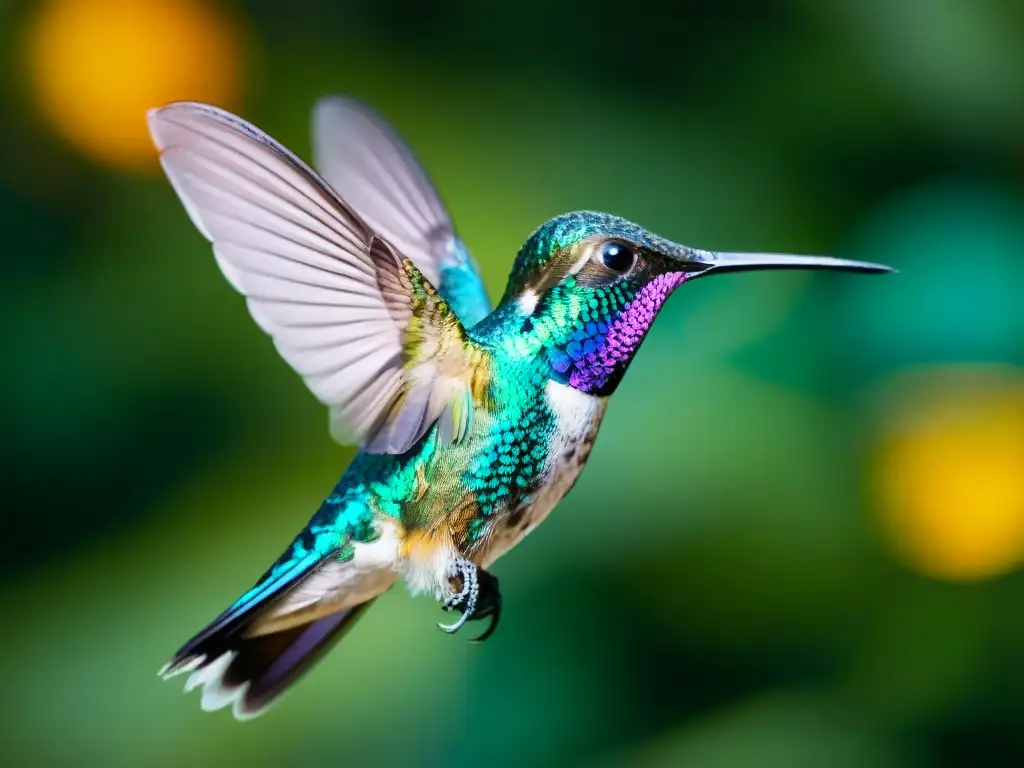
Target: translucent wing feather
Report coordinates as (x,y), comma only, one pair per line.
(372,169)
(349,314)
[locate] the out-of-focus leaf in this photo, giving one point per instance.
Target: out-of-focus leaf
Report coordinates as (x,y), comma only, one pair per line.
(780,731)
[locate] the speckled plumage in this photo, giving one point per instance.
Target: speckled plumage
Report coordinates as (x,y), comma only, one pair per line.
(461,497)
(473,423)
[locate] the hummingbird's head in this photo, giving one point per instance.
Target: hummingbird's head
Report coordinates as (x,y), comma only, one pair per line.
(586,287)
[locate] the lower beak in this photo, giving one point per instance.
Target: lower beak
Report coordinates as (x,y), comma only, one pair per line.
(707,262)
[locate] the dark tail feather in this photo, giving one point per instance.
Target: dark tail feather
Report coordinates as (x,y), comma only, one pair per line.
(250,672)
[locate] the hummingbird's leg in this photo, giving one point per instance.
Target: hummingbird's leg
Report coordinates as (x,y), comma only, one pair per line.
(477,598)
(465,571)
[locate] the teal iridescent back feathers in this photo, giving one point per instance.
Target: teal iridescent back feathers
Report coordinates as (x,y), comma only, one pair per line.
(472,423)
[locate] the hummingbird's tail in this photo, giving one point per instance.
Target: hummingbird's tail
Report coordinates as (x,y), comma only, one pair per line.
(250,671)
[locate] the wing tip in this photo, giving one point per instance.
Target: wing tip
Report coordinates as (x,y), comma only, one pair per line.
(341,100)
(158,118)
(154,114)
(165,113)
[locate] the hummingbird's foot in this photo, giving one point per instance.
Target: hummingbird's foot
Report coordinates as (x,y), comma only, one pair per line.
(478,597)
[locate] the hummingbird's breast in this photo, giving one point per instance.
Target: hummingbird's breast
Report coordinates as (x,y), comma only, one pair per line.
(415,513)
(576,418)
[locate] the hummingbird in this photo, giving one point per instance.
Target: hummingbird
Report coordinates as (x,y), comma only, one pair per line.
(472,422)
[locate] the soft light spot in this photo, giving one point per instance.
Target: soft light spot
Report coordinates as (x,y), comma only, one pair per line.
(950,471)
(98,65)
(527,301)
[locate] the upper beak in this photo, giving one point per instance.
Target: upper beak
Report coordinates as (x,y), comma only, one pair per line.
(703,262)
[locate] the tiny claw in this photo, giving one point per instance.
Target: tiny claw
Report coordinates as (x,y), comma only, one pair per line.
(490,604)
(490,629)
(453,628)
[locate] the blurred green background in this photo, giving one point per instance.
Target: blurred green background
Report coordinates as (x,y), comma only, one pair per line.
(800,536)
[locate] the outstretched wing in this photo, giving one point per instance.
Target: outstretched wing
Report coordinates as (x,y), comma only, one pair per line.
(372,169)
(363,327)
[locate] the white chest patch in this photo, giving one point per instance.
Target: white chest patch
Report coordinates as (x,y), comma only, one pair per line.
(578,413)
(578,416)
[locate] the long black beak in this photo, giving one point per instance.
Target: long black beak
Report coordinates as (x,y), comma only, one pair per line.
(706,262)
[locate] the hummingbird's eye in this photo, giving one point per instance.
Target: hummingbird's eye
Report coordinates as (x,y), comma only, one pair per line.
(618,257)
(607,263)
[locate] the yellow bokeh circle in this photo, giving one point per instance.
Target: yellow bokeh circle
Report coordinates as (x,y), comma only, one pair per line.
(98,65)
(950,472)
